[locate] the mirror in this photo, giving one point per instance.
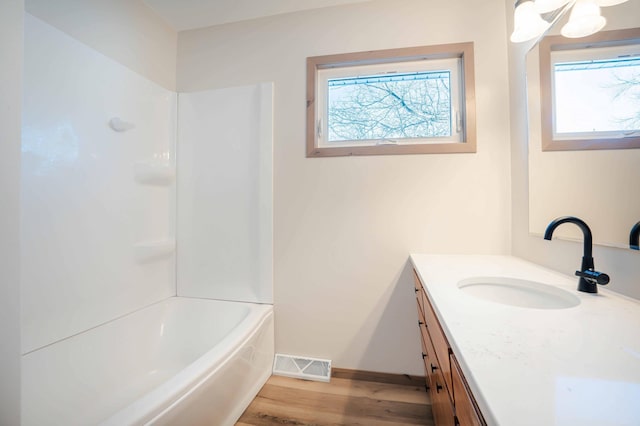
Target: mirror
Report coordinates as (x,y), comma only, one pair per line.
(598,186)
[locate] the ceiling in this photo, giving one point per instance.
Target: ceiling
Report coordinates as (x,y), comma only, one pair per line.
(189,14)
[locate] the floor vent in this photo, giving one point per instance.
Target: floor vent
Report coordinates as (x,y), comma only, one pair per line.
(302,367)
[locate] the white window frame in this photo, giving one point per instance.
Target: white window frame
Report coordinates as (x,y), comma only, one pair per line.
(455,58)
(554,49)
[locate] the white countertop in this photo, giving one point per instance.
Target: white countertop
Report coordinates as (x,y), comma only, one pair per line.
(576,366)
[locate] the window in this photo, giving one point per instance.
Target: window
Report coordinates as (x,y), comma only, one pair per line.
(398,101)
(590,91)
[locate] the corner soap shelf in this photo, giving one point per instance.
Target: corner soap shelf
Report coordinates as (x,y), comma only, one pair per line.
(149,251)
(155,172)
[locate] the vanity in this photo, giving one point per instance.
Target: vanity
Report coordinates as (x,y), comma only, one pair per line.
(508,342)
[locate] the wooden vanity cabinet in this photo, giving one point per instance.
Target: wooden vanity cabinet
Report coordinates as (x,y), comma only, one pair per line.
(467,412)
(451,400)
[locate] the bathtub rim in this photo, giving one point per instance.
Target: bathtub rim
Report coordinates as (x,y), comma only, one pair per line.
(146,409)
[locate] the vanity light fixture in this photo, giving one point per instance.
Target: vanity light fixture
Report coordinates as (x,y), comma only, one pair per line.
(605,3)
(533,17)
(528,23)
(546,6)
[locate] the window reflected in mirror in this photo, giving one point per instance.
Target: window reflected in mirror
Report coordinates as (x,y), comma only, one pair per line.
(590,91)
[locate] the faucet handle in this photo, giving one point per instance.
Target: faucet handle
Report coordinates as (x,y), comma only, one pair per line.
(594,277)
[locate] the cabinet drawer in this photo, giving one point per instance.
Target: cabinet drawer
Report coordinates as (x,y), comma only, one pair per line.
(434,371)
(426,358)
(419,291)
(440,343)
(421,318)
(424,335)
(428,353)
(466,409)
(427,349)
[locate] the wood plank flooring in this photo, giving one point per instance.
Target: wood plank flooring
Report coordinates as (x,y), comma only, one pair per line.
(344,401)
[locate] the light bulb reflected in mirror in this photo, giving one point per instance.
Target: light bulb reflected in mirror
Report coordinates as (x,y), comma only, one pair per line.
(585,19)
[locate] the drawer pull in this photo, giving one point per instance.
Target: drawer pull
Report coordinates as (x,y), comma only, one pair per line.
(416,290)
(433,368)
(420,323)
(424,355)
(438,387)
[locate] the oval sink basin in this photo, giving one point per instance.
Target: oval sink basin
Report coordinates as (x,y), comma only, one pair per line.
(517,292)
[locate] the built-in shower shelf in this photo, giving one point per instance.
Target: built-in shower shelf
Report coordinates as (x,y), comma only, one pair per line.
(155,172)
(150,251)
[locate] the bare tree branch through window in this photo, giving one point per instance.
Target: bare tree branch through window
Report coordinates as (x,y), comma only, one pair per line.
(412,105)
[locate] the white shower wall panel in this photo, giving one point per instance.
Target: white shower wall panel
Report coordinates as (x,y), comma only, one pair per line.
(97,240)
(225,219)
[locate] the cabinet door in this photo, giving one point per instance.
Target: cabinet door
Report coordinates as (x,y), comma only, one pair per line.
(424,336)
(451,399)
(440,402)
(466,411)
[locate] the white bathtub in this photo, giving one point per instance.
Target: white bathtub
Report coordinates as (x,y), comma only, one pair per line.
(178,362)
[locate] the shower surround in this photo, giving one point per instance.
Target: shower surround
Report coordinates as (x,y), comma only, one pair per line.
(103,203)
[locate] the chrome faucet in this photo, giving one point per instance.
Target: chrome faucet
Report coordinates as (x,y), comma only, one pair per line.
(589,277)
(634,237)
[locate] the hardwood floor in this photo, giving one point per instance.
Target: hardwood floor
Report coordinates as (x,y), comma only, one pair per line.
(344,401)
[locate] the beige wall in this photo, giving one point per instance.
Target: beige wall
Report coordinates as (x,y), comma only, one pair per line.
(344,227)
(11,13)
(125,30)
(622,265)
